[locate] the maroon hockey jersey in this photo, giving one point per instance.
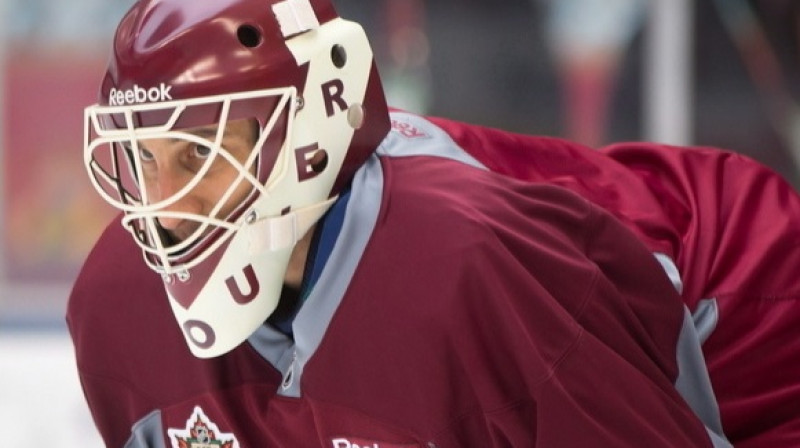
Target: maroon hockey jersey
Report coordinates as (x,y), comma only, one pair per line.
(458,307)
(731,226)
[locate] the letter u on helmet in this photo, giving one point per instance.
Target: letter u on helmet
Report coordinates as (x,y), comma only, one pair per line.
(294,67)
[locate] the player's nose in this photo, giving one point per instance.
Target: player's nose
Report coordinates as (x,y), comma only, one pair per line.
(170,189)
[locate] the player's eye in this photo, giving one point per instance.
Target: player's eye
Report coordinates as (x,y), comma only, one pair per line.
(145,155)
(201,151)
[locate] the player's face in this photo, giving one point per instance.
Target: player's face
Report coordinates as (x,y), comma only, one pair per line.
(169,164)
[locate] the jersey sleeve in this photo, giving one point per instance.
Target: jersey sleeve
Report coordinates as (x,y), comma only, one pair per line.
(732,228)
(585,319)
(738,223)
(591,174)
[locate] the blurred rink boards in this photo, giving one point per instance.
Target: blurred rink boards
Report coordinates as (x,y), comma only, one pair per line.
(51,56)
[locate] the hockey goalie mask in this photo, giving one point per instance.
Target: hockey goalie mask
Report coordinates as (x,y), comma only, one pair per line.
(225,129)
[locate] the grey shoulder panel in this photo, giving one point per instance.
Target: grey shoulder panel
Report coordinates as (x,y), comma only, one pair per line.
(147,432)
(693,382)
(412,135)
(706,317)
(671,270)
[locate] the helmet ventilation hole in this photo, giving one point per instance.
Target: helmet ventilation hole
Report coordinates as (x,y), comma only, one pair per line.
(248,36)
(338,56)
(319,161)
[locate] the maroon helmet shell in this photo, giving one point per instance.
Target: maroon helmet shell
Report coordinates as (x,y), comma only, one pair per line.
(193,49)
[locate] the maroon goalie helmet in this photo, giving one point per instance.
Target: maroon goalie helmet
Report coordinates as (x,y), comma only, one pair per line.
(303,76)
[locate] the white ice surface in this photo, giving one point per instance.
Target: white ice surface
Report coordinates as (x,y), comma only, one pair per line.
(41,402)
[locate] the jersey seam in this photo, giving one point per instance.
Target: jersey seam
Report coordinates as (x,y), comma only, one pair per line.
(486,412)
(567,351)
(593,222)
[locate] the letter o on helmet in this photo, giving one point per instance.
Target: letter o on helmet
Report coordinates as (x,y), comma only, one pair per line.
(200,333)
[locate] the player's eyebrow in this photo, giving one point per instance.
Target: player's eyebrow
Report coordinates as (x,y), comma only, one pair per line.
(207,133)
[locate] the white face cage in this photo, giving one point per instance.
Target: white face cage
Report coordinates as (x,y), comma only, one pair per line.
(111,147)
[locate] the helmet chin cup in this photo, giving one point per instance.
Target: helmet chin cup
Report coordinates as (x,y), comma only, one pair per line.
(220,302)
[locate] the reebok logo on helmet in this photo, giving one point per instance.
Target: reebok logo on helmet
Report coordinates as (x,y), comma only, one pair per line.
(138,95)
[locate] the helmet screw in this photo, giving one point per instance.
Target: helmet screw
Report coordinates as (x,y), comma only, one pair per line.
(355,116)
(184,276)
(251,217)
(168,279)
(300,103)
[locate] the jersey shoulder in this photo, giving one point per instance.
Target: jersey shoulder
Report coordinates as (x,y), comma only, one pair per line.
(131,357)
(111,275)
(114,282)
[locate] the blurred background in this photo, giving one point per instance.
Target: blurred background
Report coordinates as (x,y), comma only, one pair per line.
(707,72)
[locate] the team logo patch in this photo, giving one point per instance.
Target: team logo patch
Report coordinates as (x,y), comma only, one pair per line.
(201,432)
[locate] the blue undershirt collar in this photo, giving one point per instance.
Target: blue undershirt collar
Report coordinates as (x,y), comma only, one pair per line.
(326,233)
